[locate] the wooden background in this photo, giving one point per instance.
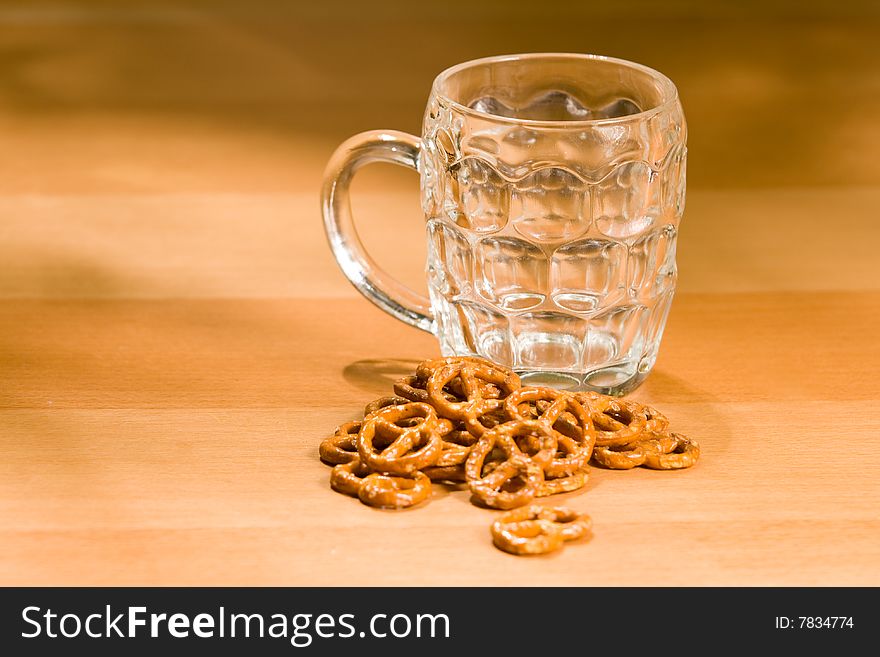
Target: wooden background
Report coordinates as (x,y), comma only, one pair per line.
(175,338)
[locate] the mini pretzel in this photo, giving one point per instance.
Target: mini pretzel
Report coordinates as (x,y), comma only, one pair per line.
(488,389)
(459,435)
(660,442)
(623,457)
(383,402)
(566,484)
(499,489)
(484,415)
(473,377)
(452,454)
(347,477)
(575,435)
(341,447)
(588,398)
(684,455)
(390,492)
(538,530)
(413,389)
(495,487)
(428,367)
(509,439)
(656,421)
(617,422)
(468,420)
(652,445)
(406,448)
(450,473)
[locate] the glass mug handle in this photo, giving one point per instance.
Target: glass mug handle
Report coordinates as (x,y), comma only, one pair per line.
(371,280)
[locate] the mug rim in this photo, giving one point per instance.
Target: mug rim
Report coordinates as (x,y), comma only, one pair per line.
(668,90)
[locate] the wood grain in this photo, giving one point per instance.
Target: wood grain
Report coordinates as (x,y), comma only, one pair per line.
(175,338)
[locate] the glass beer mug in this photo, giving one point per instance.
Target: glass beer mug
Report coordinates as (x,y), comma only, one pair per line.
(553,186)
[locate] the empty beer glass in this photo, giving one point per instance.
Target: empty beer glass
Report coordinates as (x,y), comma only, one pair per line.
(553,186)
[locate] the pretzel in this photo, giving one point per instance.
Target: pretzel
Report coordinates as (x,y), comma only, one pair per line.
(494,488)
(468,420)
(488,389)
(383,402)
(623,457)
(562,412)
(530,438)
(617,422)
(684,455)
(656,422)
(660,442)
(391,492)
(459,434)
(452,454)
(473,377)
(652,445)
(412,389)
(484,415)
(406,448)
(449,473)
(556,485)
(589,398)
(341,447)
(427,367)
(498,489)
(347,477)
(538,530)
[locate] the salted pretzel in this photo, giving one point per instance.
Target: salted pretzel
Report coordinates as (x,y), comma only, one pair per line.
(466,420)
(567,484)
(617,422)
(383,402)
(565,415)
(484,415)
(488,389)
(400,439)
(347,477)
(685,453)
(391,492)
(535,529)
(459,434)
(497,487)
(341,447)
(450,473)
(428,367)
(413,389)
(513,483)
(632,455)
(473,378)
(657,447)
(589,398)
(656,422)
(452,454)
(622,457)
(659,442)
(530,438)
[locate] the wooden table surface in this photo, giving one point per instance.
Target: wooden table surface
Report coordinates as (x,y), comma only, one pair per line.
(175,338)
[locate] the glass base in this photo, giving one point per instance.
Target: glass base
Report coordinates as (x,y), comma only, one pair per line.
(608,381)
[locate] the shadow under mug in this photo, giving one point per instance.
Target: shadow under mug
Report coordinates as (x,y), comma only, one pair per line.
(553,186)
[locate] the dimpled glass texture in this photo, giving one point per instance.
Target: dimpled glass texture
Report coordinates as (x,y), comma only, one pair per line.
(553,188)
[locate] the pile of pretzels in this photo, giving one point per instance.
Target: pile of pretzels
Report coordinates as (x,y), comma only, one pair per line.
(469,420)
